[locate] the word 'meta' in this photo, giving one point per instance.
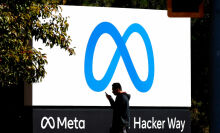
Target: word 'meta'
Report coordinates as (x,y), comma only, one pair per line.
(57,123)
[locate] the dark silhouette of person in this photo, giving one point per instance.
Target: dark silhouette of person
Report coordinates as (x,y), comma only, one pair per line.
(121,112)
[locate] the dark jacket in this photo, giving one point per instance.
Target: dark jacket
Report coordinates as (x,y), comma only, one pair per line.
(121,112)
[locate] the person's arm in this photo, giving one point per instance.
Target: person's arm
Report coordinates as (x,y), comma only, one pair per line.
(112,102)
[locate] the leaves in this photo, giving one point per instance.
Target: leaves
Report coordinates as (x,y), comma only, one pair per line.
(20,21)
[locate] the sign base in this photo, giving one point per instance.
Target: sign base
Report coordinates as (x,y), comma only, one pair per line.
(98,120)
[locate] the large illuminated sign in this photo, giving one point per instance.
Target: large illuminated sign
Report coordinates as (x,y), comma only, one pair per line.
(144,50)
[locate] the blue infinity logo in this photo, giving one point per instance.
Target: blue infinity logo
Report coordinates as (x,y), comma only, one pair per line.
(106,27)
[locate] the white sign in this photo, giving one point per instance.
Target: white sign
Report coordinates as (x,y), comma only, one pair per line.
(144,50)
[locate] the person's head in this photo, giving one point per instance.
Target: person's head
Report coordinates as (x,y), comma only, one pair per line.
(116,88)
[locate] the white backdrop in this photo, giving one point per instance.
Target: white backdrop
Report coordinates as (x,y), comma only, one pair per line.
(65,82)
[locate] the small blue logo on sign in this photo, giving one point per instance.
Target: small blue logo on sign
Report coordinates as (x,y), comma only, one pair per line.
(106,27)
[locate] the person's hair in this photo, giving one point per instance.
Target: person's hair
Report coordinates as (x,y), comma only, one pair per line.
(116,86)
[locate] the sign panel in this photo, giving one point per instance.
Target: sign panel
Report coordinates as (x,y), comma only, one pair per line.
(144,50)
(98,120)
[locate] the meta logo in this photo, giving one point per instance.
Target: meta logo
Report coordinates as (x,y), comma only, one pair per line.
(51,123)
(121,51)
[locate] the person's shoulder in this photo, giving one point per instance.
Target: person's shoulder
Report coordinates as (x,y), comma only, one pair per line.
(126,95)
